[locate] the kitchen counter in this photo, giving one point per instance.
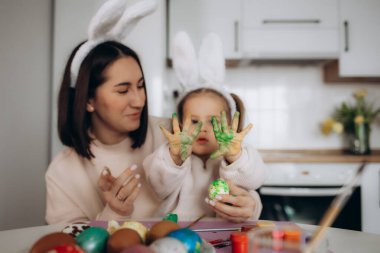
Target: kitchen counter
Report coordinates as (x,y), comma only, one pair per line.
(317,156)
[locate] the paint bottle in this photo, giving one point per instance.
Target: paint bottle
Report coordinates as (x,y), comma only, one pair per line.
(239,242)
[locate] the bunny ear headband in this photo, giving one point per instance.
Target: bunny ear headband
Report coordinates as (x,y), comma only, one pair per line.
(113,21)
(207,71)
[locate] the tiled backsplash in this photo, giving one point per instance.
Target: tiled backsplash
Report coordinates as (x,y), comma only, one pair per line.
(286,104)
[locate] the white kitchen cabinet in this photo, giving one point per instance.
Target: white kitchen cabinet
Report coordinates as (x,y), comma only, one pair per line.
(290,29)
(199,17)
(359,38)
(370,190)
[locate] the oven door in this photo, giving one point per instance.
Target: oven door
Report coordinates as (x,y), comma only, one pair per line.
(308,204)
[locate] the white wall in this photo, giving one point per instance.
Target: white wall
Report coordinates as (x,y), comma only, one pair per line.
(286,104)
(25,30)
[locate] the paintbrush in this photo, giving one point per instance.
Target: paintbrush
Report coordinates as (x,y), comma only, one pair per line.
(196,221)
(334,209)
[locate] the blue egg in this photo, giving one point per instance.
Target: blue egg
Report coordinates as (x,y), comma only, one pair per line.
(189,238)
(93,240)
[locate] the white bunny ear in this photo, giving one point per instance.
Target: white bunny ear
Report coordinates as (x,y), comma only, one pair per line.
(185,61)
(105,18)
(131,17)
(113,21)
(211,60)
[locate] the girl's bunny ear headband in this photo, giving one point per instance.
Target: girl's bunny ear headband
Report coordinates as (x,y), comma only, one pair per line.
(113,22)
(206,72)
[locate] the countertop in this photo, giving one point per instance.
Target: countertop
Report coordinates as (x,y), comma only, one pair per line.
(317,156)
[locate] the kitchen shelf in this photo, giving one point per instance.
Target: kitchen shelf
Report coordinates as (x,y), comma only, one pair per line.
(317,156)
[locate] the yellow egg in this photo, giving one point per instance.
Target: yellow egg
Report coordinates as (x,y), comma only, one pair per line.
(138,227)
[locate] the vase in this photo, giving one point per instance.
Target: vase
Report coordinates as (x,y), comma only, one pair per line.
(358,140)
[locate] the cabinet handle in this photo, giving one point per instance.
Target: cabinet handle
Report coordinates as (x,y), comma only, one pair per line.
(346,29)
(291,21)
(236,34)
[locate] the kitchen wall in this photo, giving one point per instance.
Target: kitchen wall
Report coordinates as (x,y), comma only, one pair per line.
(287,102)
(25,66)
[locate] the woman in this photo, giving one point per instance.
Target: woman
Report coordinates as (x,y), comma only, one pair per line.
(103,121)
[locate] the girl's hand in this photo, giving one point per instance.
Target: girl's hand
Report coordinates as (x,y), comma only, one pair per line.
(180,142)
(120,193)
(229,139)
(238,206)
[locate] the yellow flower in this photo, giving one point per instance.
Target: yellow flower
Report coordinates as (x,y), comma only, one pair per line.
(337,127)
(359,119)
(360,93)
(327,125)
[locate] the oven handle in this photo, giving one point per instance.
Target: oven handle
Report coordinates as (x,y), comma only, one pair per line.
(299,192)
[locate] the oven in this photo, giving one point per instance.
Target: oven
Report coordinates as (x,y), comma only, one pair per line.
(302,193)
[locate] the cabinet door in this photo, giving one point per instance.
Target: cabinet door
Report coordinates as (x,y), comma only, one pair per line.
(360,38)
(290,29)
(371,199)
(199,17)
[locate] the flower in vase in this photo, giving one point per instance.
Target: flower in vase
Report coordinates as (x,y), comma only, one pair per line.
(354,120)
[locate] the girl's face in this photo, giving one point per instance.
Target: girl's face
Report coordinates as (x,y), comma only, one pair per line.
(118,103)
(202,107)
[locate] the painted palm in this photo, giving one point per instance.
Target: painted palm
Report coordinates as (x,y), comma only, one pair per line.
(180,142)
(228,138)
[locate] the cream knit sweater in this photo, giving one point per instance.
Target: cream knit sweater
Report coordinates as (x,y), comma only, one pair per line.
(71,180)
(183,189)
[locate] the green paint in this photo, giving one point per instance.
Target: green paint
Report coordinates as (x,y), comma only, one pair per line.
(222,136)
(187,141)
(218,187)
(174,115)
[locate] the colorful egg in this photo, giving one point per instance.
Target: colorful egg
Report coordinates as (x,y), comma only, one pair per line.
(121,239)
(93,240)
(189,238)
(75,229)
(66,249)
(138,227)
(49,241)
(218,187)
(138,249)
(161,229)
(168,245)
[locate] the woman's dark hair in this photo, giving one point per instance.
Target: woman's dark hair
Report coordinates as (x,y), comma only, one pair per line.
(238,103)
(73,119)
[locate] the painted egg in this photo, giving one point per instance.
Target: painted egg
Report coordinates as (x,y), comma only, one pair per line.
(138,227)
(121,239)
(161,229)
(189,238)
(168,245)
(93,240)
(138,249)
(75,229)
(50,241)
(217,187)
(66,249)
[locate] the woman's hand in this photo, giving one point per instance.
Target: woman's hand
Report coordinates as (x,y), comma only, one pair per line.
(238,206)
(229,139)
(180,142)
(120,193)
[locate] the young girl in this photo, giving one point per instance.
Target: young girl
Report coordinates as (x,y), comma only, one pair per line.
(181,170)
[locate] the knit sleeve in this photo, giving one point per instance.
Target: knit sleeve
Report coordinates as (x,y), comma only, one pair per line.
(162,174)
(249,171)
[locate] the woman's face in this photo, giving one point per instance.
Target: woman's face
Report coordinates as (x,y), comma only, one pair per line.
(118,103)
(202,107)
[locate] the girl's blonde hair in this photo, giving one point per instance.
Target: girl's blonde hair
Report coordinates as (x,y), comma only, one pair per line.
(238,102)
